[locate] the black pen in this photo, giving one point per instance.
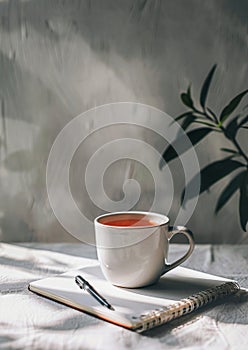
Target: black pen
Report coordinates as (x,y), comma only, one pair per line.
(83,284)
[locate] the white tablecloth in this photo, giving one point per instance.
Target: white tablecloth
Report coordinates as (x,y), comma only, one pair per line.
(28,321)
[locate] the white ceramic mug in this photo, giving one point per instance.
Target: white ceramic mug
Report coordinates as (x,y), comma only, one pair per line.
(136,256)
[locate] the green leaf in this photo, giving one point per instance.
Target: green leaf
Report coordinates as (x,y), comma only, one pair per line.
(211,112)
(194,115)
(188,121)
(195,136)
(229,191)
(198,134)
(168,155)
(186,98)
(211,174)
(205,123)
(19,161)
(231,106)
(243,202)
(216,171)
(229,150)
(232,128)
(181,116)
(243,121)
(205,86)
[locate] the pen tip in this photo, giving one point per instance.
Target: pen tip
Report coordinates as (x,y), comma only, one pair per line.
(111,308)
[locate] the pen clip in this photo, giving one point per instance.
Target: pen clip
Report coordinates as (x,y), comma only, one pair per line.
(80,282)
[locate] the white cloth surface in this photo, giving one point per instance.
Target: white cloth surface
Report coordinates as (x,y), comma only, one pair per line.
(29,321)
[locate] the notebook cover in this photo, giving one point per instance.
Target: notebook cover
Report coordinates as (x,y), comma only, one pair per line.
(177,293)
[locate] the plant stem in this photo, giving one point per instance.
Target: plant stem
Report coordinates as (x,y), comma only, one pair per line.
(208,114)
(213,115)
(204,114)
(236,144)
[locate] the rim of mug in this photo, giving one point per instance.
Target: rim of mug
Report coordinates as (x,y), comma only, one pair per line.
(147,213)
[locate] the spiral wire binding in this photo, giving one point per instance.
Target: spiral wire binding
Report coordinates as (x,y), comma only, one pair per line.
(185,306)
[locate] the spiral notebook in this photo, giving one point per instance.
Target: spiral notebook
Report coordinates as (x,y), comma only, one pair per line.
(177,293)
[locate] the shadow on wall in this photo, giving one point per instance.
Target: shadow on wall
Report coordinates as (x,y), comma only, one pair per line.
(27,137)
(59,59)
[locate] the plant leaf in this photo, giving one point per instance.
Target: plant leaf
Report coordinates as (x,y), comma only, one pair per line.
(229,150)
(181,116)
(214,172)
(195,136)
(198,134)
(205,86)
(231,106)
(243,121)
(188,121)
(205,123)
(230,189)
(211,112)
(243,203)
(232,128)
(168,155)
(186,99)
(211,174)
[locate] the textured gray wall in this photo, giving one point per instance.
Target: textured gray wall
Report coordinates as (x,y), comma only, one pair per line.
(60,58)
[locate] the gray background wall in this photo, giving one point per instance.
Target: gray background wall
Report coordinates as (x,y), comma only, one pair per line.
(60,58)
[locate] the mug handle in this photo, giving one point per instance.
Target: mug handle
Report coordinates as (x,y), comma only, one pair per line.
(172,231)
